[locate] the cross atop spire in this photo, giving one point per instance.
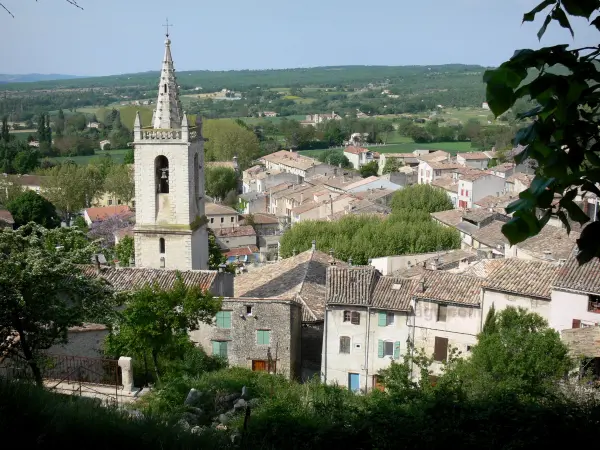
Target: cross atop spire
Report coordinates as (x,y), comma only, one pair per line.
(167,25)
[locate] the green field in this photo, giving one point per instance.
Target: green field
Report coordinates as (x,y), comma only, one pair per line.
(406,147)
(256,120)
(116,155)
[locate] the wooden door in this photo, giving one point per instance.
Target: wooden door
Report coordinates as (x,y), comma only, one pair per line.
(259,365)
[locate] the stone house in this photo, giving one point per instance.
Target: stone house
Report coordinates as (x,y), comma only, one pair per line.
(260,178)
(221,216)
(474,160)
(253,202)
(289,162)
(256,333)
(301,278)
(518,182)
(235,237)
(359,156)
(477,185)
(429,171)
(366,325)
(447,313)
(503,170)
(407,159)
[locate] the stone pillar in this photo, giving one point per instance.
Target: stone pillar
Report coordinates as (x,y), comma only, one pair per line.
(126,373)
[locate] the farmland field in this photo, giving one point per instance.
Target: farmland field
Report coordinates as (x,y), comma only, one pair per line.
(116,155)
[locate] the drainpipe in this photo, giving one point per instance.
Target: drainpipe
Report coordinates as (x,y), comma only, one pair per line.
(367,349)
(324,348)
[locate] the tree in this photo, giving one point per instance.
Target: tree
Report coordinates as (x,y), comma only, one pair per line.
(215,256)
(226,139)
(32,207)
(60,124)
(65,186)
(391,165)
(562,137)
(516,352)
(129,157)
(26,160)
(220,181)
(124,250)
(9,190)
(42,293)
(5,131)
(334,158)
(421,197)
(119,183)
(369,170)
(155,319)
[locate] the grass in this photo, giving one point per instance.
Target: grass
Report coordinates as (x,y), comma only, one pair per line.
(257,120)
(22,135)
(116,155)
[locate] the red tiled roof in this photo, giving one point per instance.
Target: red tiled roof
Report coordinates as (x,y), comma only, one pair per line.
(244,230)
(356,150)
(242,251)
(100,213)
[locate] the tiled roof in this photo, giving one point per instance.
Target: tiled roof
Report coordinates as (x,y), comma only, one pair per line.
(491,201)
(356,150)
(585,278)
(441,261)
(351,285)
(523,178)
(449,287)
(291,159)
(129,278)
(525,277)
(394,293)
(442,165)
(211,209)
(483,268)
(244,230)
(6,216)
(302,277)
(478,214)
(27,180)
(475,174)
(242,251)
(437,156)
(473,156)
(491,235)
(550,239)
(104,212)
(446,183)
(451,217)
(364,181)
(504,167)
(262,218)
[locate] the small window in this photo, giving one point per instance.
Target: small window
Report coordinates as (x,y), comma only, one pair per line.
(594,304)
(222,219)
(440,350)
(385,319)
(232,219)
(219,348)
(212,220)
(119,202)
(224,319)
(109,202)
(347,316)
(388,348)
(344,344)
(355,319)
(263,337)
(248,310)
(133,203)
(468,348)
(442,313)
(161,246)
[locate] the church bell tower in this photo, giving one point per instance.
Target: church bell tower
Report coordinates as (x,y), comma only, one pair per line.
(170,230)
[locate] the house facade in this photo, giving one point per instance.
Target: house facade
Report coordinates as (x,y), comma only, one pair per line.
(474,160)
(359,156)
(429,171)
(221,216)
(475,186)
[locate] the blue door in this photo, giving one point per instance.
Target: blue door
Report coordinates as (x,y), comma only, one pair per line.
(354,381)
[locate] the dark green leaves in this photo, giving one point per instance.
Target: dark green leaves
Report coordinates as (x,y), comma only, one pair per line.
(530,16)
(544,26)
(588,243)
(560,16)
(580,8)
(501,83)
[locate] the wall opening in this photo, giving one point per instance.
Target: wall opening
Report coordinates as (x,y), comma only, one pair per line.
(165,88)
(161,246)
(161,165)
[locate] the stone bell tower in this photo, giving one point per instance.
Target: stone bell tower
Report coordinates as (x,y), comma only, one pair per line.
(170,230)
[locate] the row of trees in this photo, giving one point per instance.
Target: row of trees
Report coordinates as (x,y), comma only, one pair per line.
(409,229)
(16,156)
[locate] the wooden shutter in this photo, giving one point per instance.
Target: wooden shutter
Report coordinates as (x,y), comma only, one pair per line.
(397,350)
(380,350)
(226,319)
(344,344)
(576,323)
(382,319)
(440,351)
(355,318)
(216,348)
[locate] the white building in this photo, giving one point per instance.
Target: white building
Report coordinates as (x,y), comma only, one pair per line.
(169,183)
(366,325)
(290,162)
(474,160)
(429,171)
(477,185)
(359,156)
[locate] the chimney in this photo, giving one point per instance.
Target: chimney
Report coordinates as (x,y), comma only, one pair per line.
(350,261)
(97,261)
(222,268)
(547,254)
(422,282)
(314,245)
(332,261)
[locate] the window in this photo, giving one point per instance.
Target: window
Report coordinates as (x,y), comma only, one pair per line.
(344,344)
(109,202)
(347,316)
(212,220)
(594,304)
(232,220)
(161,246)
(576,323)
(263,337)
(355,319)
(219,348)
(165,88)
(385,319)
(440,351)
(388,348)
(462,192)
(442,313)
(467,193)
(222,219)
(248,310)
(161,165)
(119,202)
(224,319)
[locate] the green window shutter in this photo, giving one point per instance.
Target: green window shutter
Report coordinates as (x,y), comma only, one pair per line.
(382,319)
(220,319)
(226,319)
(216,348)
(397,350)
(267,337)
(224,349)
(380,348)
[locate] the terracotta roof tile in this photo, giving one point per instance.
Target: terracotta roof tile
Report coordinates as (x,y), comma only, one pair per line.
(242,251)
(356,150)
(551,239)
(291,159)
(473,156)
(351,285)
(441,286)
(211,209)
(244,230)
(451,217)
(394,293)
(585,278)
(104,212)
(491,235)
(519,276)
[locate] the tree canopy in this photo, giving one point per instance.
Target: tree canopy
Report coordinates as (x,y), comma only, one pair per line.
(369,170)
(562,137)
(42,293)
(32,207)
(226,139)
(422,197)
(220,181)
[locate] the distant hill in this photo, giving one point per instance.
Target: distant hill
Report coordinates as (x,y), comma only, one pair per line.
(32,77)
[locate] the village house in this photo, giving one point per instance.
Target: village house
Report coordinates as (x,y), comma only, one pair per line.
(406,159)
(324,205)
(450,186)
(371,183)
(294,163)
(366,325)
(474,160)
(314,119)
(518,182)
(359,156)
(220,216)
(476,185)
(268,231)
(381,197)
(100,213)
(503,170)
(496,203)
(261,179)
(28,182)
(234,237)
(253,202)
(268,114)
(300,278)
(430,171)
(259,334)
(550,244)
(447,314)
(432,155)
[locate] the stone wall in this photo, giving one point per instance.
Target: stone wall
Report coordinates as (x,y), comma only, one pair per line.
(87,341)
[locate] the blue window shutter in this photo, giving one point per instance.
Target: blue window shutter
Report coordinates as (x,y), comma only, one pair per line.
(224,349)
(216,348)
(397,350)
(380,348)
(226,319)
(382,319)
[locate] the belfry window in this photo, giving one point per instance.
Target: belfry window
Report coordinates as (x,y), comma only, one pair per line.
(161,164)
(165,88)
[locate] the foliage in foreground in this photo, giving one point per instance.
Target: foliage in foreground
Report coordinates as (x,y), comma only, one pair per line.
(563,137)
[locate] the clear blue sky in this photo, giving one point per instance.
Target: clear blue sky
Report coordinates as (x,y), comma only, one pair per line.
(126,36)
